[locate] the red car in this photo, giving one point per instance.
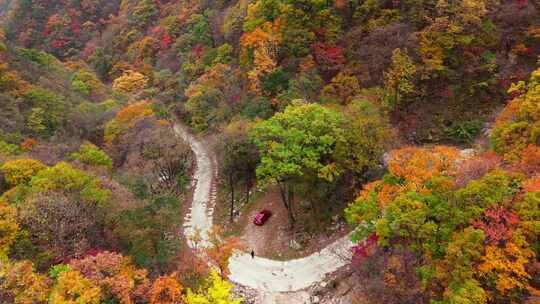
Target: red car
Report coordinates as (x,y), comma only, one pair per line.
(262,217)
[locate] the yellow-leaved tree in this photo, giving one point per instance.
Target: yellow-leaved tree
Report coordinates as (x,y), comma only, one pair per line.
(130,82)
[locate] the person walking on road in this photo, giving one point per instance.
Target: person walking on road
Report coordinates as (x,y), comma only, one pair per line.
(252,254)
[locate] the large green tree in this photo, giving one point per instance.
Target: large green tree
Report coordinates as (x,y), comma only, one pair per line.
(296,146)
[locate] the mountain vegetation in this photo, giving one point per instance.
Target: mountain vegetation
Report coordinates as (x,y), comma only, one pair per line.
(359,106)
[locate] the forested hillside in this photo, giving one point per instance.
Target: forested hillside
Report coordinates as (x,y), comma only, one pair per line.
(344,116)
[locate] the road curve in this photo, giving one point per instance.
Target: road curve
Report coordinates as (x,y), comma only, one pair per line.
(261,274)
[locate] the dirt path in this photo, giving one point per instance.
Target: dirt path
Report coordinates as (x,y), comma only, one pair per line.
(268,277)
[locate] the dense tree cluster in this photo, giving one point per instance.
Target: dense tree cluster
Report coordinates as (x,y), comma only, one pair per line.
(304,95)
(470,225)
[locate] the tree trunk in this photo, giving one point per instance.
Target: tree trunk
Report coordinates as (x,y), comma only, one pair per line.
(231,185)
(249,186)
(287,198)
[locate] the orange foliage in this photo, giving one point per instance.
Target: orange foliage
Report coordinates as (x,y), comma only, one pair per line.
(166,290)
(413,166)
(419,165)
(506,267)
(221,250)
(508,113)
(114,274)
(127,118)
(28,144)
(340,4)
(385,192)
(264,41)
(11,82)
(532,184)
(530,160)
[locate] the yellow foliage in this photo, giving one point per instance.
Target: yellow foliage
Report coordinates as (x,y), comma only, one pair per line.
(20,171)
(8,227)
(130,82)
(25,285)
(73,288)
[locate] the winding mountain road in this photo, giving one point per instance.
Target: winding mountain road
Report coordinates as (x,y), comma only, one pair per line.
(267,276)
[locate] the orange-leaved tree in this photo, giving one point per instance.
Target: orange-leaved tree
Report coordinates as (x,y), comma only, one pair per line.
(127,118)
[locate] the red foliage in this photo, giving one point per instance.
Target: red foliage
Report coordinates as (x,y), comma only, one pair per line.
(522,3)
(530,160)
(498,224)
(74,25)
(56,43)
(330,58)
(197,51)
(88,50)
(364,248)
(166,40)
(28,144)
(447,93)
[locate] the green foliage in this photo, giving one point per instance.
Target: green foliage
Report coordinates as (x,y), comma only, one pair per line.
(85,82)
(275,82)
(305,85)
(423,220)
(200,106)
(260,107)
(80,87)
(493,189)
(145,12)
(464,131)
(36,56)
(468,292)
(144,232)
(90,154)
(366,132)
(102,62)
(9,149)
(47,111)
(299,141)
(214,96)
(56,270)
(98,108)
(195,32)
(399,79)
(225,54)
(63,177)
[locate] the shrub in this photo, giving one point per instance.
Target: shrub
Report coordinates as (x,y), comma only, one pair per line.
(36,56)
(20,171)
(90,154)
(9,149)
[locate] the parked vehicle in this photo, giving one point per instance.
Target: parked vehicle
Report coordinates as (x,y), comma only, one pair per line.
(262,217)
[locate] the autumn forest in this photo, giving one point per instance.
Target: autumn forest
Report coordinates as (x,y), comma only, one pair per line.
(269,151)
